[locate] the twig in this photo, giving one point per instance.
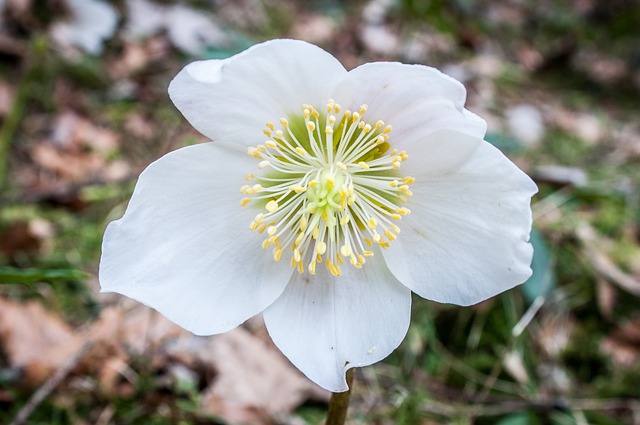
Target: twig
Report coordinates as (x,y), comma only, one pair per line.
(602,263)
(45,390)
(494,408)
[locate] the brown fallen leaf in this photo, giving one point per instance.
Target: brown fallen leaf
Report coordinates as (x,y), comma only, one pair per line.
(68,166)
(39,342)
(255,383)
(26,330)
(75,133)
(623,344)
(18,240)
(249,380)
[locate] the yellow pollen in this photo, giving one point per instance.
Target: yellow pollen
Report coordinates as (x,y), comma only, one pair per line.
(271,206)
(245,201)
(321,247)
(363,165)
(372,223)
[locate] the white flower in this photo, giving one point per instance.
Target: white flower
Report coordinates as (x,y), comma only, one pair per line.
(90,23)
(359,188)
(189,30)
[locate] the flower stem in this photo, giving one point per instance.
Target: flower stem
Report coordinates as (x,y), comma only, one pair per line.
(339,403)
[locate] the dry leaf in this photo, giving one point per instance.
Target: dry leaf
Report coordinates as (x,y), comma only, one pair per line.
(40,342)
(68,166)
(73,132)
(26,330)
(254,382)
(623,345)
(18,240)
(317,29)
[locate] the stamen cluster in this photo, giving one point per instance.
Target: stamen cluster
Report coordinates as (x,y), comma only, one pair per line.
(329,188)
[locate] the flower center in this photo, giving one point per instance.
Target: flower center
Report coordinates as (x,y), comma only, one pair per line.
(329,187)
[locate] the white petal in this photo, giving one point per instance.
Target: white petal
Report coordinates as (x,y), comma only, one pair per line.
(233,99)
(91,22)
(184,246)
(416,100)
(192,31)
(326,325)
(466,238)
(144,18)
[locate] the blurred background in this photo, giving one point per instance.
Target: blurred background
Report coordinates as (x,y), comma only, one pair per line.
(84,108)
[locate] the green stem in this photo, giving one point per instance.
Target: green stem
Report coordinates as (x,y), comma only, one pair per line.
(339,403)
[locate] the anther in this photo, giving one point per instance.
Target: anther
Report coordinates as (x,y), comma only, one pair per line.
(271,206)
(271,144)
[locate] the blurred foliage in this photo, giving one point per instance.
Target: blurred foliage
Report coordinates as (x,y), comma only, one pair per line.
(452,357)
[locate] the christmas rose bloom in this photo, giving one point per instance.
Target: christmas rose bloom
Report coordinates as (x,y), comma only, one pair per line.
(325,198)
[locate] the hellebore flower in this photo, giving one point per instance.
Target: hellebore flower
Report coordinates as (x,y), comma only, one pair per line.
(326,197)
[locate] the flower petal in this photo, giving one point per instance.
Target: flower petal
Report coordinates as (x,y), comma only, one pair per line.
(326,325)
(184,246)
(416,100)
(466,238)
(233,99)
